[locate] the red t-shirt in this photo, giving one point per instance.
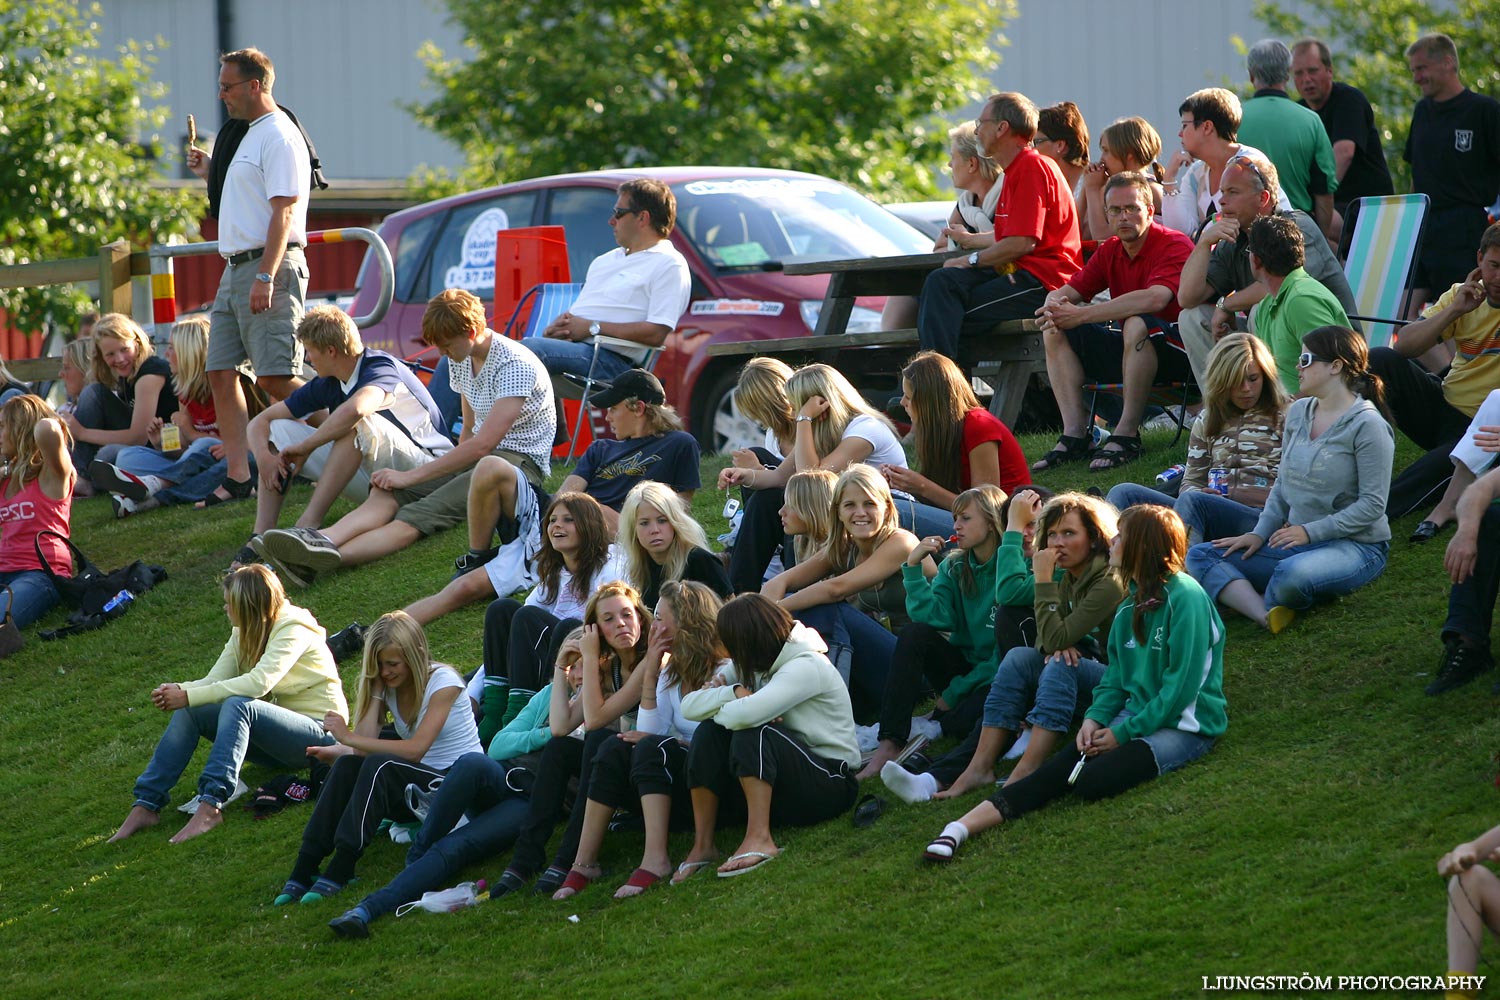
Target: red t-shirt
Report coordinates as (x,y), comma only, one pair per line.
(1159,262)
(205,419)
(1035,202)
(980,425)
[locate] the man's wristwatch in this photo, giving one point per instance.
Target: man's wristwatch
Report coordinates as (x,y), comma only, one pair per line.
(594,328)
(264,277)
(974,259)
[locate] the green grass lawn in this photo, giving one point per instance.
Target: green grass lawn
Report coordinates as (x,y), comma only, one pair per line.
(1305,842)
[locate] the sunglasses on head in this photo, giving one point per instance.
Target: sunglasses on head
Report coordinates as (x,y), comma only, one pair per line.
(1306,358)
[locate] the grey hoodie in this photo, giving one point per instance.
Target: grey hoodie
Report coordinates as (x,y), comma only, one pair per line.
(1334,487)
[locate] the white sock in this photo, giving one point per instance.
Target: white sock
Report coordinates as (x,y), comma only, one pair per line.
(154,484)
(957,831)
(908,787)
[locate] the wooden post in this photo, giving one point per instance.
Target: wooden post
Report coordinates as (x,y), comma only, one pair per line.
(114,278)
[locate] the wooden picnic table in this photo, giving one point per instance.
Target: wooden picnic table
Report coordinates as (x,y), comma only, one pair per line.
(1005,357)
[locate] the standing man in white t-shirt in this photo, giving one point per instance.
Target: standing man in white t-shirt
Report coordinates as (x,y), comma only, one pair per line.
(636,293)
(262,229)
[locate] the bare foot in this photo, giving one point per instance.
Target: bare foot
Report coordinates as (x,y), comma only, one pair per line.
(139,819)
(693,864)
(754,848)
(885,752)
(205,819)
(965,783)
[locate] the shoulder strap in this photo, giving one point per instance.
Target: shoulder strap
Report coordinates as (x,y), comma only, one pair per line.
(81,562)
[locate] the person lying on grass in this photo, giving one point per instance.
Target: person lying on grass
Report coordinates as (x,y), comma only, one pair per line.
(613,645)
(1048,685)
(645,768)
(368,781)
(775,743)
(490,789)
(1160,704)
(950,640)
(1473,902)
(851,591)
(1323,532)
(265,698)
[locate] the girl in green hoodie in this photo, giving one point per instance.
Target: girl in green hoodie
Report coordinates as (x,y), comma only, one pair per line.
(1159,706)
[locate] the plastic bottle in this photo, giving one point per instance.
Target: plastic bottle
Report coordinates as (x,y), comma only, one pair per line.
(461,896)
(117,604)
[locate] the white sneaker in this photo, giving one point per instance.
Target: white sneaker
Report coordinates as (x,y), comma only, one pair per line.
(123,505)
(191,805)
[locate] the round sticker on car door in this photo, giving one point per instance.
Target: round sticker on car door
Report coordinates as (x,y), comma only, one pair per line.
(477,270)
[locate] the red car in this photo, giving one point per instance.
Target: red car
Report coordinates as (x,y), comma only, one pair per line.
(735,226)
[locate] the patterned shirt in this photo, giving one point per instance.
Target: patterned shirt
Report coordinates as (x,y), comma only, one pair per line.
(511,371)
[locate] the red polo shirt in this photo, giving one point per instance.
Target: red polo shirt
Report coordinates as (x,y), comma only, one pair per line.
(1035,201)
(1159,262)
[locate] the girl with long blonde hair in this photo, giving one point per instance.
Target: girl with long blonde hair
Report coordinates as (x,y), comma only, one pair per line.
(267,697)
(129,394)
(435,727)
(807,514)
(37,491)
(659,541)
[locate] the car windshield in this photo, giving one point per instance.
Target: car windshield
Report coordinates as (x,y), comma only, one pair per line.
(753,222)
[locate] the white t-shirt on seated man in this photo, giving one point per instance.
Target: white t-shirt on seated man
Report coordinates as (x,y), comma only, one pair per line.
(635,293)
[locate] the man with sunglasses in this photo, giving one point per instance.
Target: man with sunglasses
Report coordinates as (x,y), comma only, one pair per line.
(1219,287)
(636,292)
(262,229)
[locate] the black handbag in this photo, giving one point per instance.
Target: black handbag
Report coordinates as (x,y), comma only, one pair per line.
(11,639)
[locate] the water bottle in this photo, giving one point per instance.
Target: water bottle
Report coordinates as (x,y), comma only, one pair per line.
(116,605)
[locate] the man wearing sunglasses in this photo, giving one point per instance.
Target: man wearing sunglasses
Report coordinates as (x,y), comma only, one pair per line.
(636,292)
(1218,287)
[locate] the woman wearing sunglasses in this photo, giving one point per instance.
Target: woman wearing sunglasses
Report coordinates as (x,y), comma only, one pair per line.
(1323,532)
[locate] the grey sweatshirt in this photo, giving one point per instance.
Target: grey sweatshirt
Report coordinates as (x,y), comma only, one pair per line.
(1334,487)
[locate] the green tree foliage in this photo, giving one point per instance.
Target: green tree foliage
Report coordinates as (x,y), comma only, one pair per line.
(859,90)
(1369,39)
(72,129)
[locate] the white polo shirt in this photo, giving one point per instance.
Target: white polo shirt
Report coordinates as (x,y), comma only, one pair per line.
(648,286)
(270,162)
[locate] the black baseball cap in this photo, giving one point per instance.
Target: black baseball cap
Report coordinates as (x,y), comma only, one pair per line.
(635,383)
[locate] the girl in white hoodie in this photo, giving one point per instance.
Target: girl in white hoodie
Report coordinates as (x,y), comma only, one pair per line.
(775,740)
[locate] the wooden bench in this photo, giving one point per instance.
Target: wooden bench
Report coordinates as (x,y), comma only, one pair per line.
(1005,357)
(35,369)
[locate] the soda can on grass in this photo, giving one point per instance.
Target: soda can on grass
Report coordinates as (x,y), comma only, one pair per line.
(1171,475)
(1218,481)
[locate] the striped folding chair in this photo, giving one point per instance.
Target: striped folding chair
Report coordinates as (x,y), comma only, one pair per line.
(1382,261)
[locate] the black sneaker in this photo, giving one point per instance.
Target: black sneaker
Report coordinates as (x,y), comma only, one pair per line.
(1461,663)
(470,561)
(347,642)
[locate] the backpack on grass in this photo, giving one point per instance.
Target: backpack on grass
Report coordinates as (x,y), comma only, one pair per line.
(91,591)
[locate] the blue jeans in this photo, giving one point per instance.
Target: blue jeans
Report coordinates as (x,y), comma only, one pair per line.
(1295,577)
(923,520)
(1054,692)
(1172,748)
(474,786)
(870,647)
(573,357)
(194,474)
(1211,515)
(34,595)
(1123,495)
(98,409)
(238,728)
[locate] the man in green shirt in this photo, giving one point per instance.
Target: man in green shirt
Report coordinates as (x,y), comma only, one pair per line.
(1295,303)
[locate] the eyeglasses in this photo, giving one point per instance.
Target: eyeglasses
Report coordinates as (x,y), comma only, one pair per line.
(1183,126)
(225,88)
(1242,160)
(1041,138)
(983,121)
(1115,211)
(620,213)
(1306,359)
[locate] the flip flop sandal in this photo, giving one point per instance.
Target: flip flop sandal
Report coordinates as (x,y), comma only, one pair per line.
(1128,451)
(238,489)
(1067,450)
(688,869)
(940,851)
(641,879)
(868,810)
(575,883)
(765,859)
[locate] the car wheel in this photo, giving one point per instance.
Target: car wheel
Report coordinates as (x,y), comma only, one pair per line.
(720,426)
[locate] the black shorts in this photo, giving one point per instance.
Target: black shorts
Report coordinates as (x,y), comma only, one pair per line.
(1101,348)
